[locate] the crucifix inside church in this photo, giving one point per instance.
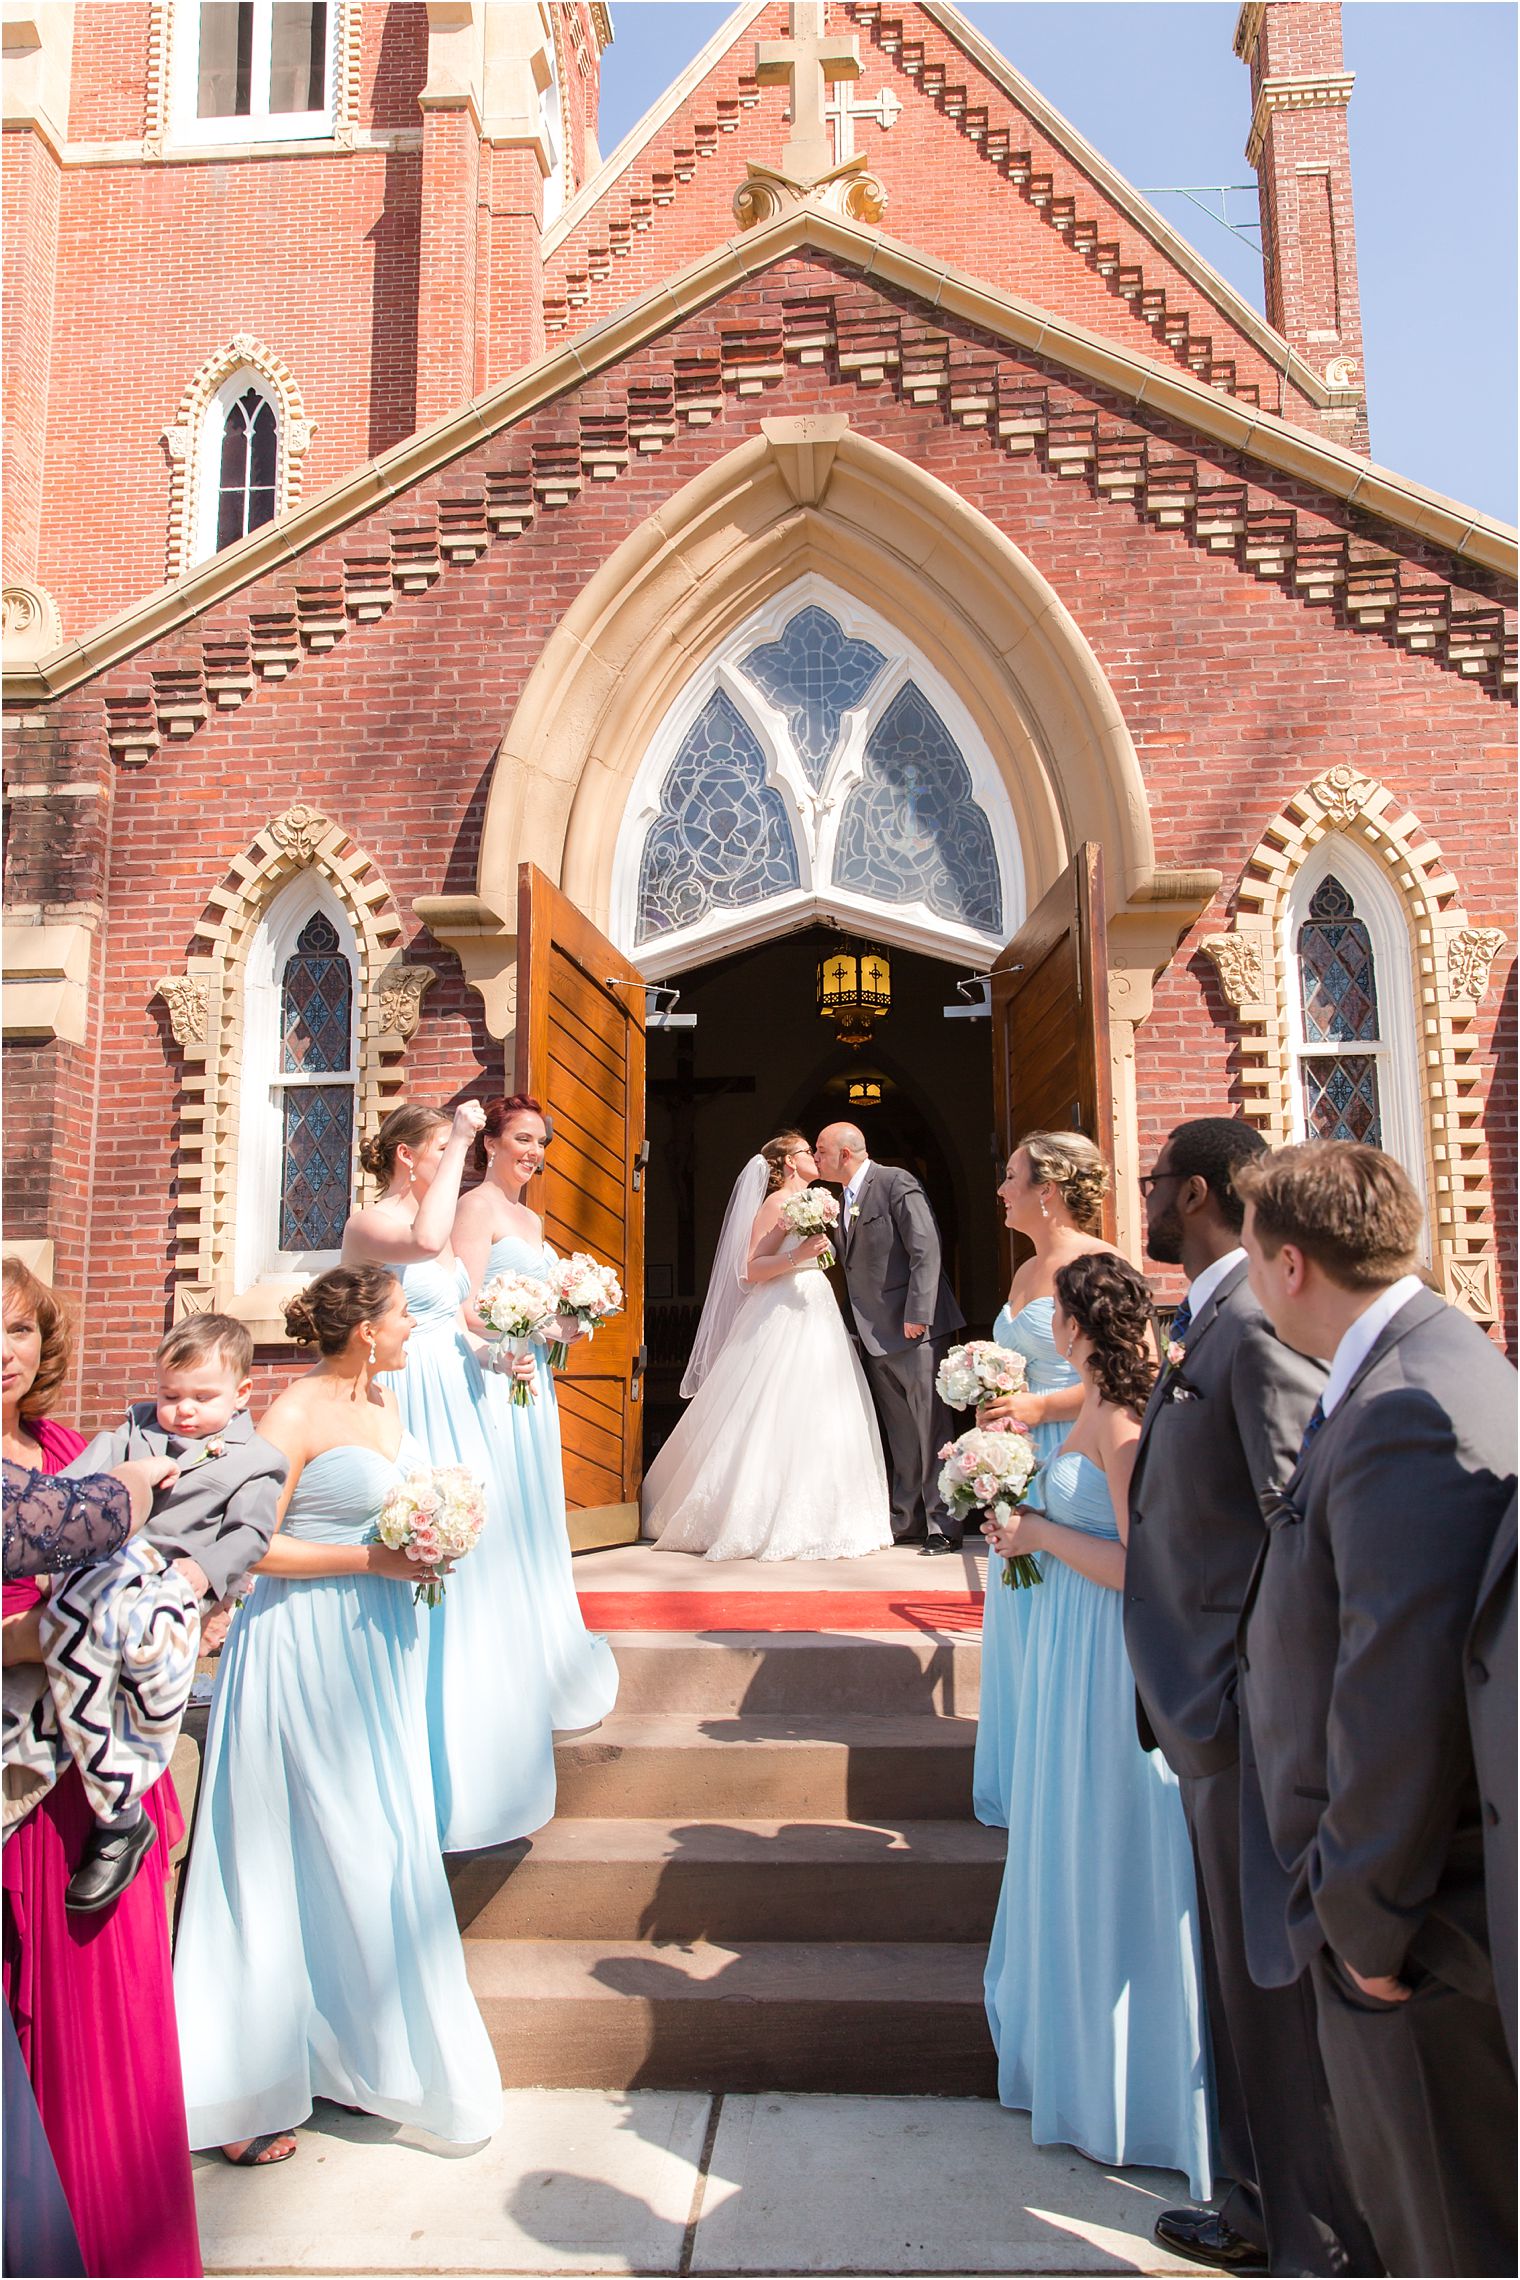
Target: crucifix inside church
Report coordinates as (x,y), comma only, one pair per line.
(809,62)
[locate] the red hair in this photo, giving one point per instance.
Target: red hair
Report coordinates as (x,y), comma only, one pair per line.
(499,1114)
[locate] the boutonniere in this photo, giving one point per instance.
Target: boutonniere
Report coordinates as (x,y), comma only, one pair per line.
(211,1449)
(1176,1354)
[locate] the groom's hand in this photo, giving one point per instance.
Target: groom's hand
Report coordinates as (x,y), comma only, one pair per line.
(914,1329)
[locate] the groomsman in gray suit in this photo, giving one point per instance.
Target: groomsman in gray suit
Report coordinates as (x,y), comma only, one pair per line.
(1490,1678)
(1362,1827)
(899,1308)
(1219,1439)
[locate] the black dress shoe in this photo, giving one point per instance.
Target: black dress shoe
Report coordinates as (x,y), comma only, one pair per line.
(937,1544)
(1203,2237)
(111,1859)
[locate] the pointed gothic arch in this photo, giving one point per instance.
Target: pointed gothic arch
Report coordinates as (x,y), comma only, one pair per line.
(209,1022)
(186,438)
(1443,978)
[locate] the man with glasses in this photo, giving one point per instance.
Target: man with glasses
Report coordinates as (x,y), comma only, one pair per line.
(1220,1436)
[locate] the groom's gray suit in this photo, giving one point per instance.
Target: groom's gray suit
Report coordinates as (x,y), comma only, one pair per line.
(1219,1439)
(891,1261)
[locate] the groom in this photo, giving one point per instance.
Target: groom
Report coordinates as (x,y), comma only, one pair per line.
(899,1305)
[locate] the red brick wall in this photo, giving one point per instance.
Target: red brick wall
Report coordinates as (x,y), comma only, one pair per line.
(1235,690)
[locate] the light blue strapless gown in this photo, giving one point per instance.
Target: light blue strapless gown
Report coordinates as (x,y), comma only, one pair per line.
(1094,1984)
(488,1690)
(318,1955)
(1005,1617)
(583,1676)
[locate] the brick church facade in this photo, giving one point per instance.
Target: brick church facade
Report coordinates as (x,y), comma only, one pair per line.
(458,586)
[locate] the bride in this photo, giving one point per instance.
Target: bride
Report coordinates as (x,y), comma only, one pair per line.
(778,1457)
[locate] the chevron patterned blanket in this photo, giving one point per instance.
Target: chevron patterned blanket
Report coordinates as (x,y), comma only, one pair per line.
(119,1643)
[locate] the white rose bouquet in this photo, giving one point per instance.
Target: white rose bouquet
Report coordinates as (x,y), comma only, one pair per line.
(812,1211)
(987,1470)
(586,1291)
(516,1307)
(978,1371)
(433,1515)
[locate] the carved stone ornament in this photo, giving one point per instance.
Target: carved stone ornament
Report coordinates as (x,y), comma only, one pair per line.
(401,999)
(1340,372)
(1469,955)
(30,625)
(300,831)
(177,442)
(1342,792)
(1237,958)
(849,189)
(185,997)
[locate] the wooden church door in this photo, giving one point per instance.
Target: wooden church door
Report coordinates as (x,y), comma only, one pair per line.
(1050,1053)
(580,1050)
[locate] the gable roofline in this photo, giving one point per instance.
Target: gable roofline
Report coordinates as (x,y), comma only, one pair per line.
(1216,288)
(1052,123)
(1462,531)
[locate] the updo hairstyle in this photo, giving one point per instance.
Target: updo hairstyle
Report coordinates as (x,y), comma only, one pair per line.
(499,1114)
(328,1311)
(406,1127)
(775,1153)
(1110,1303)
(1071,1165)
(25,1294)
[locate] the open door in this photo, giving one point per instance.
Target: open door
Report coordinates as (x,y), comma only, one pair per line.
(1050,1057)
(580,1050)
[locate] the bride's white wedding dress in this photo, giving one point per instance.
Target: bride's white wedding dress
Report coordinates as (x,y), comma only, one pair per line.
(778,1457)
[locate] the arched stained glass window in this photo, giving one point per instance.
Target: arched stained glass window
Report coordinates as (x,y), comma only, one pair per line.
(814,674)
(316,1089)
(1340,1049)
(911,830)
(721,839)
(249,456)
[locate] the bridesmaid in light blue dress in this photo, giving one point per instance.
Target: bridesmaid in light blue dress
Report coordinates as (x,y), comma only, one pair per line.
(495,1233)
(1052,1193)
(487,1684)
(1094,1980)
(318,1954)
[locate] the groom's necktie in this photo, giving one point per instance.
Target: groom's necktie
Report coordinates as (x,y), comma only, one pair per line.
(1316,1419)
(1182,1322)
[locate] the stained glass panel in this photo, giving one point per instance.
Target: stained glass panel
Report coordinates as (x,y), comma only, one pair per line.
(721,839)
(814,673)
(316,1166)
(1341,1097)
(317,1001)
(1336,972)
(911,830)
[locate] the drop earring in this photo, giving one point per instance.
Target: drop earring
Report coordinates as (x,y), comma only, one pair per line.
(1044,1208)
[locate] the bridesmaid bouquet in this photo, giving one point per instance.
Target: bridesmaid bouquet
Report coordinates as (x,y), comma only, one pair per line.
(517,1307)
(433,1515)
(987,1470)
(978,1371)
(812,1211)
(587,1292)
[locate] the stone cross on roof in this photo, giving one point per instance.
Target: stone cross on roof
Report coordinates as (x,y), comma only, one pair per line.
(809,60)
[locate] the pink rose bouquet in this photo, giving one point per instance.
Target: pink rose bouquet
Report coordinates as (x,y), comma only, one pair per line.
(434,1515)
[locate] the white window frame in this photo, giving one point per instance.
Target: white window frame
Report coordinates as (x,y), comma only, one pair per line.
(814,816)
(551,121)
(209,456)
(255,125)
(1396,1051)
(261,1133)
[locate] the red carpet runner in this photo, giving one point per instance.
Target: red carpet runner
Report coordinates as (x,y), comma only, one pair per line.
(959,1612)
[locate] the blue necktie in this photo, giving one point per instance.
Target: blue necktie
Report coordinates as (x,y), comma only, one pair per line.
(1316,1419)
(1182,1322)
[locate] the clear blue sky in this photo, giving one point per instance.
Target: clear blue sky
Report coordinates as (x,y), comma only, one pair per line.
(1155,86)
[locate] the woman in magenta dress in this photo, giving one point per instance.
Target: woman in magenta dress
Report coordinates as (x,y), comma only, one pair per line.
(91,1996)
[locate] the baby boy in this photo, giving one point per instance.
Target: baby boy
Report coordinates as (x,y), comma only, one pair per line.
(213,1520)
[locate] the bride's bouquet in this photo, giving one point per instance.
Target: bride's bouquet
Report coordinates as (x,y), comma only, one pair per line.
(812,1211)
(433,1515)
(978,1371)
(517,1308)
(987,1470)
(587,1292)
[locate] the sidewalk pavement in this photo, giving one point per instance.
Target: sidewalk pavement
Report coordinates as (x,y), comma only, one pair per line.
(665,2181)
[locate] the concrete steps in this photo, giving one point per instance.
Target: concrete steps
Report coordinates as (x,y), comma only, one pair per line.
(763,1875)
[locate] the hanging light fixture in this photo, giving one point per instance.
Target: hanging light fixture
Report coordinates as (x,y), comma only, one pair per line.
(854,990)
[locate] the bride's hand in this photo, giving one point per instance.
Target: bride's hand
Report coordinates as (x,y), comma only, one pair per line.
(810,1250)
(1024,1409)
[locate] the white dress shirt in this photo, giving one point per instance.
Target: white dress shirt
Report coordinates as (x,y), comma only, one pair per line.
(1202,1288)
(1357,1342)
